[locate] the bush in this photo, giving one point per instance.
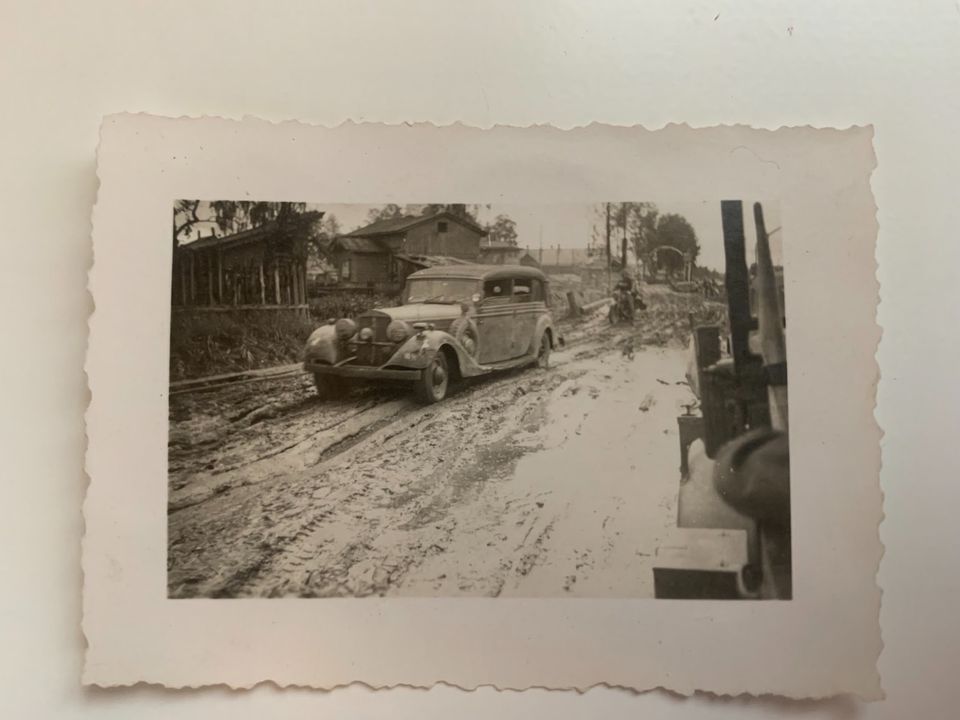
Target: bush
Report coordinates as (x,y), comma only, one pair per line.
(348,304)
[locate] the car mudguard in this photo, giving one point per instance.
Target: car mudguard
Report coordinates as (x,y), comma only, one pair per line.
(322,345)
(419,350)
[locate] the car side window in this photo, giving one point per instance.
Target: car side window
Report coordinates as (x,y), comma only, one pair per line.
(497,292)
(522,291)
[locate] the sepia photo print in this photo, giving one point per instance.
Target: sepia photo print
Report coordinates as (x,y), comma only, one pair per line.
(488,400)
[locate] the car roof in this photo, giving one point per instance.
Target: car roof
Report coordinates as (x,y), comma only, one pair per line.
(480,272)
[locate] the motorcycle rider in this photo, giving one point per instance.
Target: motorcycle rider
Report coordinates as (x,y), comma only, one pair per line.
(627,288)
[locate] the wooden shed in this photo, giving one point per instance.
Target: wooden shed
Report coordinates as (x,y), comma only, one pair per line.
(263,268)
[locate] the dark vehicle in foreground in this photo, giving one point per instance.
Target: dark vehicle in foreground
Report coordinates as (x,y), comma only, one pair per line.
(454,321)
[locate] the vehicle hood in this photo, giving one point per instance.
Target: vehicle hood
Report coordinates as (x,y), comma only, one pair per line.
(421,312)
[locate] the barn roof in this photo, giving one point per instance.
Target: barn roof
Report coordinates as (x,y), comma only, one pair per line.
(401,224)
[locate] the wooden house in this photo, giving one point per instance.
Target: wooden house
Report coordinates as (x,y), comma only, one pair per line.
(379,256)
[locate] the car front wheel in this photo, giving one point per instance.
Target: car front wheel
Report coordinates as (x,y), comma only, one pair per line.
(434,380)
(329,387)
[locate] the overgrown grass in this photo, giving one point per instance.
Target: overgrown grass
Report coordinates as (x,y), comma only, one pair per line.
(212,343)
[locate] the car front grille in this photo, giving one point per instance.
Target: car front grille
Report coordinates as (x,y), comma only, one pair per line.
(373,354)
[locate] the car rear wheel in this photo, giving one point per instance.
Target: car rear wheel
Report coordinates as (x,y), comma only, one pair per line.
(543,352)
(434,380)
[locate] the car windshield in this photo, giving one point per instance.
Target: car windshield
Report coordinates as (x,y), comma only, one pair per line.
(439,290)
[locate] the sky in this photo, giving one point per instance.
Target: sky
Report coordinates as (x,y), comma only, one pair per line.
(574,225)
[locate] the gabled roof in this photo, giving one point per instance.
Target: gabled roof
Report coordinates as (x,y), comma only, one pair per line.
(404,223)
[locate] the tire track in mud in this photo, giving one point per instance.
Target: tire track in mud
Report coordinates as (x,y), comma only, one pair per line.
(262,544)
(263,538)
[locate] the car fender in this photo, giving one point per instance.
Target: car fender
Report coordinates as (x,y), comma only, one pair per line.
(322,345)
(545,323)
(419,350)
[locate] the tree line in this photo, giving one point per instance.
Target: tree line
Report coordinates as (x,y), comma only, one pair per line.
(638,228)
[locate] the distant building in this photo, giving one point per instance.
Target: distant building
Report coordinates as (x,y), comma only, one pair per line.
(379,256)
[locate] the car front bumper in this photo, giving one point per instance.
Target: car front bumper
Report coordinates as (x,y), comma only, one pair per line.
(363,372)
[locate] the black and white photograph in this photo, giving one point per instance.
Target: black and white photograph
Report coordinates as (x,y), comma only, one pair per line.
(478,400)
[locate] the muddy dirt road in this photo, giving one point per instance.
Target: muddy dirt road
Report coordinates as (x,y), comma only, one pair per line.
(537,483)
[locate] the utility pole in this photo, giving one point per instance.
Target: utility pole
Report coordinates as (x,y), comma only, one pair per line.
(609,287)
(623,246)
(540,251)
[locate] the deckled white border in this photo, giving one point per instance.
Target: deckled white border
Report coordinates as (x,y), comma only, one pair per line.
(823,642)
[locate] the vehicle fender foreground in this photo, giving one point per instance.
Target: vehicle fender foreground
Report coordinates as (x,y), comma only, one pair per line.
(544,325)
(322,345)
(419,350)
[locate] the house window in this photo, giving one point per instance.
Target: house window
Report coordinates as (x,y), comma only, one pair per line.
(442,226)
(345,269)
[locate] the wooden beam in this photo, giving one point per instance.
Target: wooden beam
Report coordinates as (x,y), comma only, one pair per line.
(276,282)
(220,276)
(209,280)
(263,285)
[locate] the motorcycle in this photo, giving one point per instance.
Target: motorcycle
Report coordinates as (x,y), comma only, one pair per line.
(622,309)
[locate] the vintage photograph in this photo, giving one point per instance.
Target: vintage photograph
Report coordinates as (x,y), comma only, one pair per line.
(487,400)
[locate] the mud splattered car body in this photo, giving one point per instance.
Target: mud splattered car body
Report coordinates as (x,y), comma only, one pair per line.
(454,321)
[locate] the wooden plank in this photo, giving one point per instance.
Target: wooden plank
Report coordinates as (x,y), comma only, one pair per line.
(263,286)
(276,282)
(260,373)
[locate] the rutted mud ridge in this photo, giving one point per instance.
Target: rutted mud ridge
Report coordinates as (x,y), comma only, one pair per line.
(534,483)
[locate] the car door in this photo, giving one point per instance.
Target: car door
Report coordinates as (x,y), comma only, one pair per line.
(524,296)
(495,321)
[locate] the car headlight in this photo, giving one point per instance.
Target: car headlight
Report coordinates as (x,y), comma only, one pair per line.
(366,334)
(398,331)
(345,328)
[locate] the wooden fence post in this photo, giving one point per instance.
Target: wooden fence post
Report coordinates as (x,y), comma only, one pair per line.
(193,280)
